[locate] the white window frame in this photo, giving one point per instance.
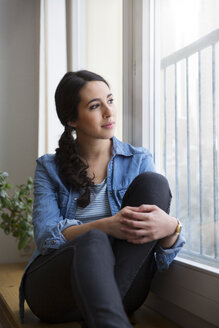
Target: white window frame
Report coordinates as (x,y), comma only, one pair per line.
(76,34)
(53,64)
(187,292)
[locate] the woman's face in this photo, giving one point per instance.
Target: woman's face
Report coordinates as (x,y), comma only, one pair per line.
(96,112)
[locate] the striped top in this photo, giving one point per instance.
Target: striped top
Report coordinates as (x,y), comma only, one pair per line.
(99,204)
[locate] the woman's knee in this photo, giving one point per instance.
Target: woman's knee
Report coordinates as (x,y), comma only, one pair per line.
(151,180)
(149,188)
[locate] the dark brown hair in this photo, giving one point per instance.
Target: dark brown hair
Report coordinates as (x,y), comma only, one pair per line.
(72,169)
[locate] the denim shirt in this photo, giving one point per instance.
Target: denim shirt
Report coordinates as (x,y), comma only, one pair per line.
(55,204)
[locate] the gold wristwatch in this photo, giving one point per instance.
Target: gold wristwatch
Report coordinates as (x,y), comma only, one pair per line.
(178,228)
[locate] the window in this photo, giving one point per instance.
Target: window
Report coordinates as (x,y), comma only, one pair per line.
(189,53)
(187,293)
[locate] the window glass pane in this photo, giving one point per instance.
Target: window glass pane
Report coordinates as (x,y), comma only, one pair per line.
(104,46)
(189,48)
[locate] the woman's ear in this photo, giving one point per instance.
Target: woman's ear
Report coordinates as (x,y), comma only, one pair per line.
(72,124)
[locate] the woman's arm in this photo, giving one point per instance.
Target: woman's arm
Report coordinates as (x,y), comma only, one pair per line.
(111,225)
(134,225)
(47,219)
(74,231)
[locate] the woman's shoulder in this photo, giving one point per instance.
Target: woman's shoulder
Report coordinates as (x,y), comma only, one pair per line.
(48,161)
(47,158)
(126,149)
(47,164)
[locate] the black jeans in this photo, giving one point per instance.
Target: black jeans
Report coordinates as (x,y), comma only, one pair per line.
(94,276)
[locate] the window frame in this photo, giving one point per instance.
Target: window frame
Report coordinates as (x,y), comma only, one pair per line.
(187,292)
(76,34)
(52,66)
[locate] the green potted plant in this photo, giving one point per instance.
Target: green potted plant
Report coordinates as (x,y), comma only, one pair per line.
(16,210)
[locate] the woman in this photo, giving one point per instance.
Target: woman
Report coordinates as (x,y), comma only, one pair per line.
(100,216)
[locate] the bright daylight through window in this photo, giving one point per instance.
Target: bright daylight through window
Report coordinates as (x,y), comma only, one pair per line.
(189,48)
(104,47)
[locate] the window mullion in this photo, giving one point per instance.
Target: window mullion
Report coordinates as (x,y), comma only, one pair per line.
(76,34)
(128,70)
(139,74)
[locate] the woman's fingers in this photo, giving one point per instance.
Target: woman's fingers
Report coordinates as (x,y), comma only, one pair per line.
(147,208)
(132,208)
(133,215)
(142,208)
(133,233)
(133,224)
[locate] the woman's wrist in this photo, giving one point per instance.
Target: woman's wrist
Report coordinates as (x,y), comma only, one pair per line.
(101,224)
(170,239)
(105,225)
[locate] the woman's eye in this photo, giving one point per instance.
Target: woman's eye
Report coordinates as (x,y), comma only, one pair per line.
(110,101)
(93,106)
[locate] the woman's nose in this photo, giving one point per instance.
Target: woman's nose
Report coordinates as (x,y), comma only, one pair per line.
(107,112)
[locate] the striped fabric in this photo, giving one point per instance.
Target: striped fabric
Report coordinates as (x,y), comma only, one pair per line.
(98,207)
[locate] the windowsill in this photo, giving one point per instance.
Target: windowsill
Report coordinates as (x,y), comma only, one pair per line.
(198,266)
(189,289)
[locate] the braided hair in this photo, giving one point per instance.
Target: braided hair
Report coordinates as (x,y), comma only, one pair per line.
(72,169)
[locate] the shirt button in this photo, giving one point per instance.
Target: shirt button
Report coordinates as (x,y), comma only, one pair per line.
(75,198)
(53,242)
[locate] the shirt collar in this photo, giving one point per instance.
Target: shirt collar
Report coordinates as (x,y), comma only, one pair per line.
(121,148)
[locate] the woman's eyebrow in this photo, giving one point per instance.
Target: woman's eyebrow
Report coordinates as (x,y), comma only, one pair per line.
(98,99)
(95,99)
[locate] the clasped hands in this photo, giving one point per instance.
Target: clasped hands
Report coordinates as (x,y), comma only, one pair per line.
(143,224)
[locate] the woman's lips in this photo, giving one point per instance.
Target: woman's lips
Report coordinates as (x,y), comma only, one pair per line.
(108,125)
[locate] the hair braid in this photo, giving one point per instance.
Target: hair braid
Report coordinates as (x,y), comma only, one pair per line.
(72,168)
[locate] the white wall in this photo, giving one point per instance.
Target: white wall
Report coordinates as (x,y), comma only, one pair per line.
(19,53)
